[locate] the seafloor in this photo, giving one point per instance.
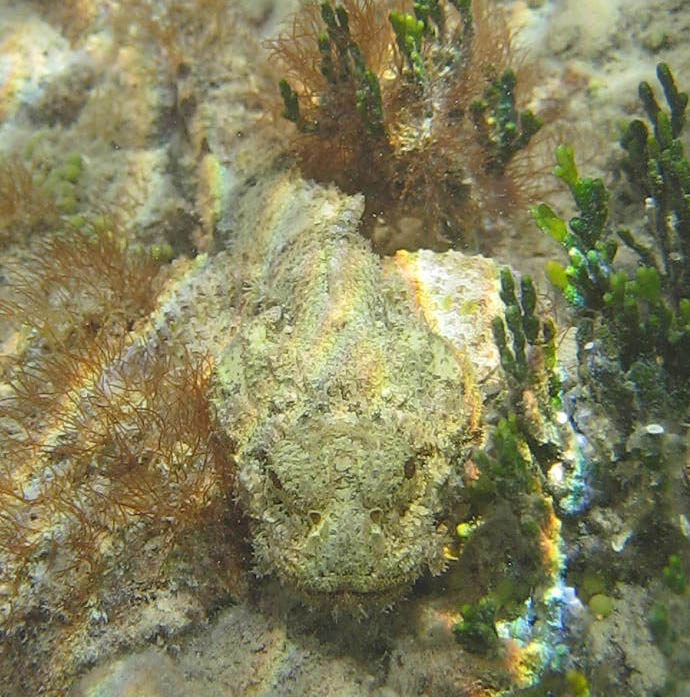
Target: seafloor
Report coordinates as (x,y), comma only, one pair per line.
(157,118)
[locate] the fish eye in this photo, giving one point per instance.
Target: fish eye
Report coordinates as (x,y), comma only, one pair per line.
(275,480)
(314,517)
(410,468)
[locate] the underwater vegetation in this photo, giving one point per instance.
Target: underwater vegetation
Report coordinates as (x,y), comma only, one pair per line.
(635,329)
(24,206)
(104,436)
(419,108)
(632,320)
(33,197)
(115,469)
(632,334)
(36,192)
(179,30)
(476,631)
(510,532)
(523,439)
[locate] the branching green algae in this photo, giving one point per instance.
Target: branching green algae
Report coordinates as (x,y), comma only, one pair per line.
(640,323)
(633,350)
(418,111)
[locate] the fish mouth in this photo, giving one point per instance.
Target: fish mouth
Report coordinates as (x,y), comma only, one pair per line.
(360,597)
(354,603)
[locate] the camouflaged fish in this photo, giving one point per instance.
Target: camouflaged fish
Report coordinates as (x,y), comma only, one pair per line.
(352,418)
(347,404)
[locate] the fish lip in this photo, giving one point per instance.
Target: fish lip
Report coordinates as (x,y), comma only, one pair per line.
(356,603)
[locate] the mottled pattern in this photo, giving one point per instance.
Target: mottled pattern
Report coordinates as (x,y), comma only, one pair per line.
(347,417)
(351,418)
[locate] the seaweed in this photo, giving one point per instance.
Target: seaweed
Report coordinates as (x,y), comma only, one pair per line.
(25,205)
(635,328)
(419,111)
(102,431)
